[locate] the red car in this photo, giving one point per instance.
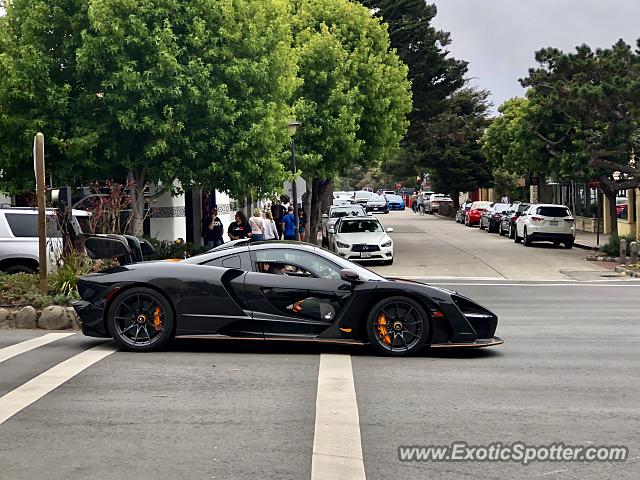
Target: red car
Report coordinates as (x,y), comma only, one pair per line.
(472,217)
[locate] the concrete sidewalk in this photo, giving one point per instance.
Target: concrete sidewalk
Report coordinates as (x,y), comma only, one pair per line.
(589,240)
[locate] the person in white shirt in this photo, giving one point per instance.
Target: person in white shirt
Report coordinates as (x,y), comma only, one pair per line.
(256,222)
(270,230)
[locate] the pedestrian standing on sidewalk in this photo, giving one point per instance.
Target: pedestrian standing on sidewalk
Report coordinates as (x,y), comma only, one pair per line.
(214,229)
(256,222)
(289,222)
(240,228)
(302,223)
(277,212)
(270,230)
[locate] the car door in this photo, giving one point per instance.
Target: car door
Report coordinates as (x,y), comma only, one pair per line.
(294,292)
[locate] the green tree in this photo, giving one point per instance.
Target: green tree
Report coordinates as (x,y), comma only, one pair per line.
(455,158)
(434,76)
(585,107)
(354,97)
(152,90)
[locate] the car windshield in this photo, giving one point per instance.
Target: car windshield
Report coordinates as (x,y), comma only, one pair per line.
(501,207)
(522,207)
(360,226)
(376,198)
(394,198)
(553,211)
(344,212)
(479,205)
(363,194)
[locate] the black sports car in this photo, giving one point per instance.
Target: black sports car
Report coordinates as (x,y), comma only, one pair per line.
(276,290)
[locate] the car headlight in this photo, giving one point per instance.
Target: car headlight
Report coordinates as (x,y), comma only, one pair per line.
(387,244)
(342,245)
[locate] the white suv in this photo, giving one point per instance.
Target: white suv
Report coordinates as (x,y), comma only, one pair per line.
(546,222)
(19,238)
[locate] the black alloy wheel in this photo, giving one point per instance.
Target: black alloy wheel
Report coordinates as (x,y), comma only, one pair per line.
(141,320)
(397,326)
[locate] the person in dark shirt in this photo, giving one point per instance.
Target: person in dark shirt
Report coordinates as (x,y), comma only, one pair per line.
(240,228)
(277,212)
(302,223)
(213,229)
(289,223)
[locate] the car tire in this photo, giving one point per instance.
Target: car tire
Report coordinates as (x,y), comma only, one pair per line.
(526,239)
(501,231)
(140,302)
(19,269)
(411,317)
(512,232)
(480,225)
(516,238)
(568,245)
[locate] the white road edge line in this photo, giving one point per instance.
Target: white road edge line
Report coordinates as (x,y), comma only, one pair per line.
(12,350)
(38,387)
(337,446)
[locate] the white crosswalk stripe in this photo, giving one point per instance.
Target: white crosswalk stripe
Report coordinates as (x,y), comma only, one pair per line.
(337,446)
(22,347)
(34,389)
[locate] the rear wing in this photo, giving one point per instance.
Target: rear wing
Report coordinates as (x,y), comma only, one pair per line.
(127,249)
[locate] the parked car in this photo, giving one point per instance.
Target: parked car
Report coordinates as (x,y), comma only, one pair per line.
(362,196)
(462,211)
(363,239)
(437,199)
(492,216)
(377,203)
(472,216)
(383,192)
(19,238)
(336,212)
(423,200)
(395,202)
(508,221)
(546,222)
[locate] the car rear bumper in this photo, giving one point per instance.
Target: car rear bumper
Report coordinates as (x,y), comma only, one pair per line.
(552,236)
(91,319)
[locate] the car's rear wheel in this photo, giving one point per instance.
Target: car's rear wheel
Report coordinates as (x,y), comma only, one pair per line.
(501,231)
(568,245)
(397,326)
(19,268)
(512,231)
(141,320)
(516,238)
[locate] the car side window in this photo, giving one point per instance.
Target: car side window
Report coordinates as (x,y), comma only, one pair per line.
(230,261)
(316,265)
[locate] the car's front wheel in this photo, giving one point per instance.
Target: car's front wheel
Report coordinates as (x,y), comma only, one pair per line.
(526,239)
(141,320)
(397,326)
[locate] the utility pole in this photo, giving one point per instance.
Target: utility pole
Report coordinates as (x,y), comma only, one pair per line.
(38,165)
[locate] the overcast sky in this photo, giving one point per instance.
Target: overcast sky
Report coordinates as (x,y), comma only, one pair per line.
(499,37)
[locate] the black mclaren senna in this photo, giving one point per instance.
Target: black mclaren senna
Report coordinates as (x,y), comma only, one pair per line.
(269,291)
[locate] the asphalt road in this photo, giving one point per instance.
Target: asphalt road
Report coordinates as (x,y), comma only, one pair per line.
(430,246)
(569,372)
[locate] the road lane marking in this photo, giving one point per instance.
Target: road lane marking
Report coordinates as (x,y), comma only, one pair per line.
(22,347)
(38,387)
(622,285)
(337,446)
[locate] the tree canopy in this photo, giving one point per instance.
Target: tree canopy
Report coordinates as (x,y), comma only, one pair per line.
(585,107)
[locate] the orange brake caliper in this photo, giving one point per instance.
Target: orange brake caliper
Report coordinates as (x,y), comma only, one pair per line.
(157,321)
(383,330)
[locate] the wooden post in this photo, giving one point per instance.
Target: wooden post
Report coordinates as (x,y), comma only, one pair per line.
(38,165)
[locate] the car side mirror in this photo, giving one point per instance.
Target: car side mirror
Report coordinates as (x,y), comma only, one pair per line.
(324,215)
(390,230)
(331,229)
(349,276)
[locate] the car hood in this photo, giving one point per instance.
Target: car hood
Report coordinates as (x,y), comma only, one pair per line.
(363,237)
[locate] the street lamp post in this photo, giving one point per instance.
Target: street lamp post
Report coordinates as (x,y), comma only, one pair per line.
(293,130)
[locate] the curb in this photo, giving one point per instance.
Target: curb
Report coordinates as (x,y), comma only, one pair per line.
(627,272)
(584,246)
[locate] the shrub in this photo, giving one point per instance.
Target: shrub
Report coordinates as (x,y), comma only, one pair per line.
(612,248)
(65,279)
(22,289)
(178,249)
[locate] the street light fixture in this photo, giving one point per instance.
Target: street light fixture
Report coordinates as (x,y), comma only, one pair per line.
(293,130)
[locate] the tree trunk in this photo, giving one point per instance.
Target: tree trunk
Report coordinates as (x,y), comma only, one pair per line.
(456,201)
(136,190)
(319,188)
(613,214)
